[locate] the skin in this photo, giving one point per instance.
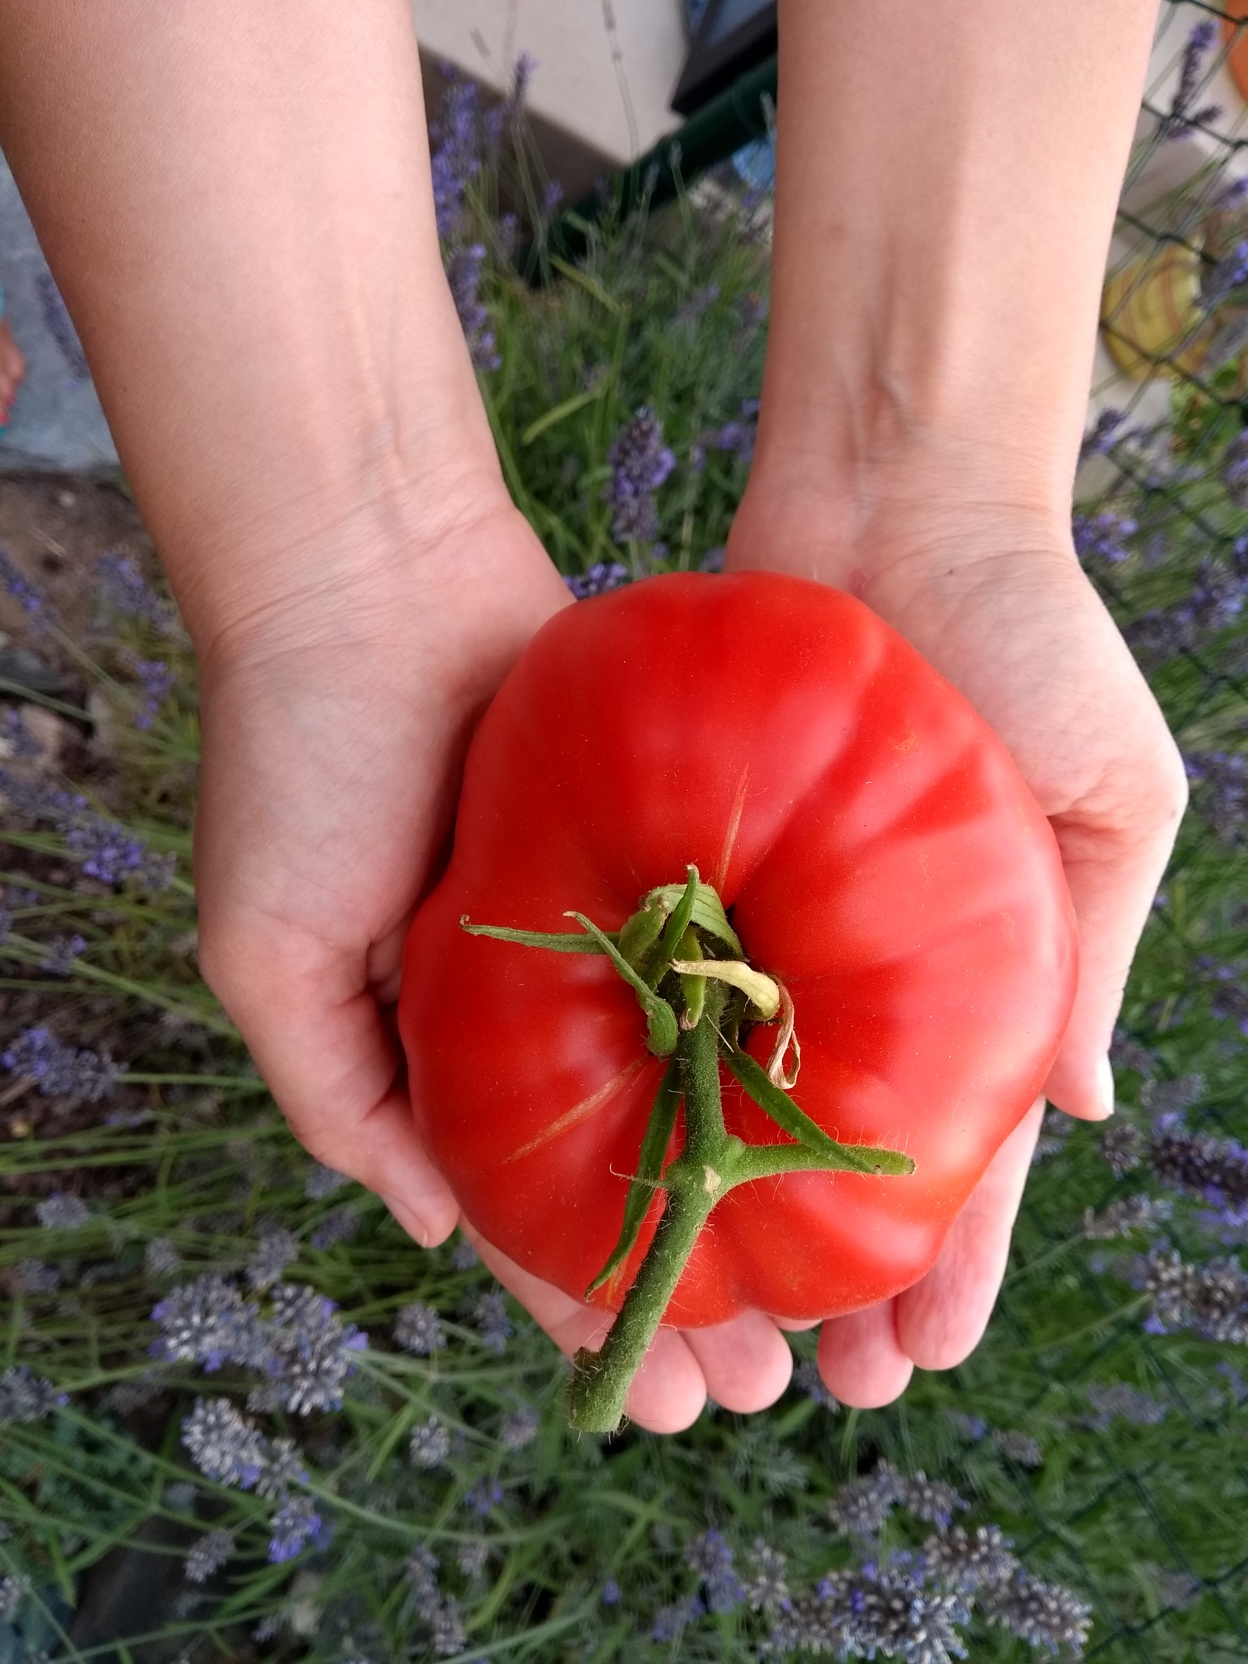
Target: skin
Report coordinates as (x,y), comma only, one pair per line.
(227,192)
(12,369)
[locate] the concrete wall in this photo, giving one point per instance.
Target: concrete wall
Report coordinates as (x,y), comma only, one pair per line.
(605,70)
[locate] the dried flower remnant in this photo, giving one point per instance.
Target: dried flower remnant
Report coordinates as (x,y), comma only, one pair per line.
(430,1444)
(490,1316)
(274,1252)
(1119,1146)
(1210,1301)
(27,1397)
(955,1559)
(472,1558)
(1116,1400)
(602,577)
(59,1212)
(1019,1447)
(222,1444)
(519,1428)
(640,462)
(418,1329)
(160,1257)
(1126,1214)
(208,1554)
(324,1181)
(341,1224)
(1042,1614)
(34,1277)
(1199,1164)
(765,1587)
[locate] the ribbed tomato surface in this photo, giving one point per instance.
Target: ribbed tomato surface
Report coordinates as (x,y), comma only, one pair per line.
(877,851)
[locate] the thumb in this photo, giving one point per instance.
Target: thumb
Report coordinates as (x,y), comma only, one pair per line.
(1114,853)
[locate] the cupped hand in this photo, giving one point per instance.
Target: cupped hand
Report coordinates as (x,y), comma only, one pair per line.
(996,600)
(333,734)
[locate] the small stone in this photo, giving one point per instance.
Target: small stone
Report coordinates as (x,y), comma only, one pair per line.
(66,499)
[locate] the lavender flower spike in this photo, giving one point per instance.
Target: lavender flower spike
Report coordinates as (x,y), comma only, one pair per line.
(640,462)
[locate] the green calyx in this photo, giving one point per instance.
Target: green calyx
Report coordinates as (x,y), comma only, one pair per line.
(698,992)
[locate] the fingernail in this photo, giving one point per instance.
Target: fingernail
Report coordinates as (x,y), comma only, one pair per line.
(410,1222)
(1104,1089)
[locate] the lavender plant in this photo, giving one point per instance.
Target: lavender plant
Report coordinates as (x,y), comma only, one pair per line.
(227,1363)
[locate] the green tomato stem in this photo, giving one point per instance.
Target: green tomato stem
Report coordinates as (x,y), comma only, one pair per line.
(694,1183)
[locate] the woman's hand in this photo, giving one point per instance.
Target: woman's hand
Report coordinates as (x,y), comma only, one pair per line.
(996,600)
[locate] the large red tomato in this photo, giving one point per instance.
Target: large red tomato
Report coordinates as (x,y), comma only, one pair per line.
(877,851)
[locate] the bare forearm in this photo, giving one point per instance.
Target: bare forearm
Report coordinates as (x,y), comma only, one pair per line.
(235,199)
(947,177)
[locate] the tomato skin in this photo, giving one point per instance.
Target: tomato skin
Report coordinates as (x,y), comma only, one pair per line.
(878,852)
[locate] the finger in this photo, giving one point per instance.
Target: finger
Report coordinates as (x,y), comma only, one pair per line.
(746,1363)
(667,1394)
(317,1037)
(861,1360)
(941,1319)
(1114,852)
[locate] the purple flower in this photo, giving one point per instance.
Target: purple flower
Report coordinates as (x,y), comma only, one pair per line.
(493,1324)
(954,1560)
(18,738)
(59,1070)
(1042,1614)
(430,1444)
(1100,536)
(670,1622)
(464,1256)
(341,1224)
(295,1524)
(1117,1399)
(598,580)
(710,1556)
(766,1587)
(463,273)
(60,953)
(1104,436)
(324,1181)
(418,1329)
(28,596)
(640,462)
(862,1507)
(483,1497)
(104,848)
(60,325)
(519,1428)
(807,1379)
(1210,1301)
(27,1397)
(124,589)
(274,1252)
(1221,281)
(456,156)
(1198,1164)
(1019,1447)
(1179,119)
(157,680)
(208,1554)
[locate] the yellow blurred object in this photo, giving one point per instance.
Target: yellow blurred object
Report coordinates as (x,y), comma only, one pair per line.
(1151,317)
